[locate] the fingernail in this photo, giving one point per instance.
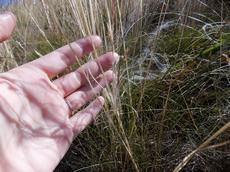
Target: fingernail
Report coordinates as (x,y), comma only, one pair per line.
(97,41)
(7,15)
(117,57)
(110,75)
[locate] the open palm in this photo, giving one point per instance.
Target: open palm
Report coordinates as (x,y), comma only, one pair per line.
(36,112)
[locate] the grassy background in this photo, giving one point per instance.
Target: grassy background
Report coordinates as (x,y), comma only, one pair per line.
(171,99)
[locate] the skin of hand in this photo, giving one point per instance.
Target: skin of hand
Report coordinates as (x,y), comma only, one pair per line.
(37,125)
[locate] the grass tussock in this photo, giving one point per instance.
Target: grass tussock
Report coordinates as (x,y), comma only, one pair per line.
(169,107)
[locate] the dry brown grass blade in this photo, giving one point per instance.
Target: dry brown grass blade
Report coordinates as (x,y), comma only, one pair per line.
(185,161)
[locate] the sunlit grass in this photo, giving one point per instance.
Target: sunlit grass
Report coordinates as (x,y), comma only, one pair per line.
(171,97)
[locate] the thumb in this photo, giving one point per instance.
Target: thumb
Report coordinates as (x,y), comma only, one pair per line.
(7,25)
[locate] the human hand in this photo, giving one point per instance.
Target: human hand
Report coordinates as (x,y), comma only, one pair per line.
(37,127)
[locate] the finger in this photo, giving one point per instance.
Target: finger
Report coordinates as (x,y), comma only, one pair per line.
(74,80)
(7,25)
(87,93)
(57,61)
(87,116)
